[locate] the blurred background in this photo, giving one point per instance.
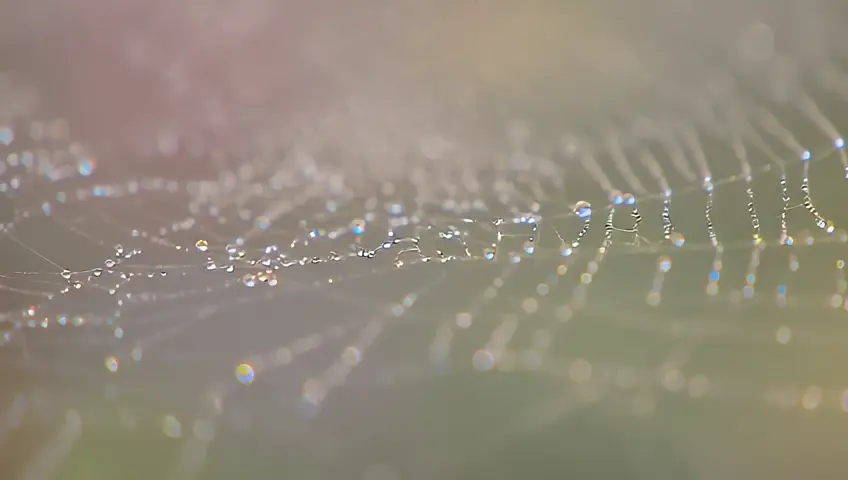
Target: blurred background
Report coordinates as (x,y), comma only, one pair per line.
(144,139)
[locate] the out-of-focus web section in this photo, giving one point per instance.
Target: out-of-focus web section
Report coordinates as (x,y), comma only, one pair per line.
(268,221)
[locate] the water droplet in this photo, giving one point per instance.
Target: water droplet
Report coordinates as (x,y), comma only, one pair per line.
(245,374)
(171,427)
(357,227)
(7,136)
(583,209)
(664,264)
(86,167)
(112,363)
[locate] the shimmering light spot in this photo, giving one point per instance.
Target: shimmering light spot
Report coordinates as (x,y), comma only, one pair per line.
(464,320)
(86,167)
(357,227)
(262,223)
(784,335)
(580,371)
(112,363)
(530,305)
(839,143)
(564,313)
(806,155)
(202,245)
(245,374)
(171,427)
(677,239)
(672,379)
(812,397)
(483,360)
(583,209)
(7,136)
(352,356)
(617,198)
(712,289)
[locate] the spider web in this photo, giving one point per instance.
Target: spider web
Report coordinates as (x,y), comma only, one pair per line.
(164,286)
(273,297)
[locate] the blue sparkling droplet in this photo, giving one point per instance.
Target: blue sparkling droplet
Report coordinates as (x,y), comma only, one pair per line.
(7,136)
(85,168)
(245,374)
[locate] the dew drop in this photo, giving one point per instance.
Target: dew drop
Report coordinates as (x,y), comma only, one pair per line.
(86,167)
(111,363)
(357,227)
(245,374)
(583,209)
(483,360)
(664,264)
(171,427)
(7,136)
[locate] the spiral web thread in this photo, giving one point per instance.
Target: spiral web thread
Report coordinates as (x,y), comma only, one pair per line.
(143,264)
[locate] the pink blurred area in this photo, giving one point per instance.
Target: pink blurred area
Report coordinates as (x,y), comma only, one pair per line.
(379,75)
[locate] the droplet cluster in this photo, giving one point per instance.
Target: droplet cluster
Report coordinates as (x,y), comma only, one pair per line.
(244,275)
